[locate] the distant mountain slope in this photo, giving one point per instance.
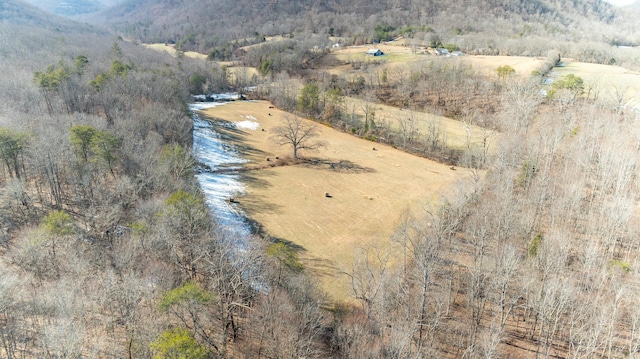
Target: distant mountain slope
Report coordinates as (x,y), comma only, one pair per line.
(21,13)
(67,8)
(17,11)
(73,7)
(203,24)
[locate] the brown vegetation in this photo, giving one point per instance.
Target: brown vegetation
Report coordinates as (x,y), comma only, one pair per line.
(107,247)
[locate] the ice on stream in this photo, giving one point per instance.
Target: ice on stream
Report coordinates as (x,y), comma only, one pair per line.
(210,149)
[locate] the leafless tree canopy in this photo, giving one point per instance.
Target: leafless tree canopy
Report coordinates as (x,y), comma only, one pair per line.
(108,249)
(298,133)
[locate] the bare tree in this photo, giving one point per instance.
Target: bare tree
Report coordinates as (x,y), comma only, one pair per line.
(298,133)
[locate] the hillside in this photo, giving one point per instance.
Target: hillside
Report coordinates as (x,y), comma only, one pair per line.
(19,12)
(73,8)
(203,25)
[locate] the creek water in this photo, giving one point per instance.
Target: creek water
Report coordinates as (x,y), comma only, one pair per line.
(215,152)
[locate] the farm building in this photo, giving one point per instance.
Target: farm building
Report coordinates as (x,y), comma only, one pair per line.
(375,52)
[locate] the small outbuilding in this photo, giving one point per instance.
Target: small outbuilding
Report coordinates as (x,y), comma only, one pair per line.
(375,52)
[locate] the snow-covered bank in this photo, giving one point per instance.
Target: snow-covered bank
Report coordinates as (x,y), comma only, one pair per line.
(210,149)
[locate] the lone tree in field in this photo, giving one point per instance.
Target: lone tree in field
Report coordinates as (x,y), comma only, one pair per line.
(295,132)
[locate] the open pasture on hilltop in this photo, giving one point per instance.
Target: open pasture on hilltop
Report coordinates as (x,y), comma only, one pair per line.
(370,186)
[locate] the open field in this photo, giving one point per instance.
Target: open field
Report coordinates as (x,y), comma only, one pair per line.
(611,82)
(402,55)
(370,190)
(452,132)
(234,70)
(171,50)
(267,39)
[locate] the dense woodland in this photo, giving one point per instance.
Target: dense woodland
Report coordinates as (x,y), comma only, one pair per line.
(108,250)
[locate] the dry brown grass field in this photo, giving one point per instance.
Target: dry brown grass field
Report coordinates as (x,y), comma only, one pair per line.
(232,67)
(610,82)
(397,57)
(370,190)
(456,133)
(172,51)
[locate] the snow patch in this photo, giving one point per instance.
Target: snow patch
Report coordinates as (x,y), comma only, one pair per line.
(204,105)
(249,125)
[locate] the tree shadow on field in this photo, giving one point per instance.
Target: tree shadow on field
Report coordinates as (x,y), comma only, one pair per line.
(256,203)
(316,267)
(313,266)
(321,267)
(340,166)
(233,136)
(259,230)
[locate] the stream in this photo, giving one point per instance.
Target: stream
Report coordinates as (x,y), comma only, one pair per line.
(211,149)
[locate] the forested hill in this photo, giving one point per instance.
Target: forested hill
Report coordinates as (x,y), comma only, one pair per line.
(73,8)
(203,24)
(19,12)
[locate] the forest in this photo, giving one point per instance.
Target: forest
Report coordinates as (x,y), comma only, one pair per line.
(109,250)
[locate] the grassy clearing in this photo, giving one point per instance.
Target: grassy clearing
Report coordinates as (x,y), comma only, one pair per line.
(370,190)
(173,52)
(234,71)
(454,133)
(267,39)
(396,55)
(610,82)
(358,53)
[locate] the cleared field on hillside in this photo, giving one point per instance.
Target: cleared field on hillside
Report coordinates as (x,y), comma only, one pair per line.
(611,82)
(396,56)
(234,71)
(370,189)
(452,132)
(173,52)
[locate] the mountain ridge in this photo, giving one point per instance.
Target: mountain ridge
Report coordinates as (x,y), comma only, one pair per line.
(204,24)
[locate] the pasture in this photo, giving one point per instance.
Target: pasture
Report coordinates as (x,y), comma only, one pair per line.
(370,187)
(455,134)
(399,58)
(611,83)
(173,52)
